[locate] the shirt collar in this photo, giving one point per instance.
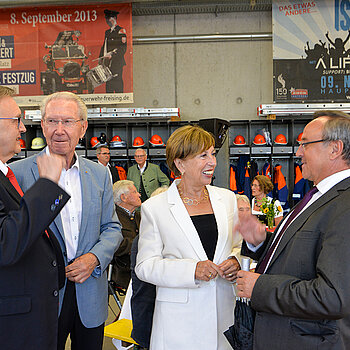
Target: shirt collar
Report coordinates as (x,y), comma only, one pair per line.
(330,181)
(144,167)
(3,168)
(75,164)
(103,164)
(131,214)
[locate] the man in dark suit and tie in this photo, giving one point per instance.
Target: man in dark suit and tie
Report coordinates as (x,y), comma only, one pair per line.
(300,290)
(103,157)
(87,229)
(30,258)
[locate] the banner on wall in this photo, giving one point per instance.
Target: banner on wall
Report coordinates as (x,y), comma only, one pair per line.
(311,51)
(83,49)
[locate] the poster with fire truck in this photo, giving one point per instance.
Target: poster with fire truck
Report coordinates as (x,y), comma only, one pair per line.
(83,49)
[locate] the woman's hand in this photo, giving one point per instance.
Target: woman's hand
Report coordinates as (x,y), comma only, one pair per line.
(207,270)
(229,268)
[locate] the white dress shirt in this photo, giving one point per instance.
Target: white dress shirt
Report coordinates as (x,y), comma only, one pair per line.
(71,212)
(143,168)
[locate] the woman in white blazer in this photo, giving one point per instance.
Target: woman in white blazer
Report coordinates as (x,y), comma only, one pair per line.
(188,248)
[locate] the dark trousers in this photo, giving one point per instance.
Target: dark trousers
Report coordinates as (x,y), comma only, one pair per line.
(69,322)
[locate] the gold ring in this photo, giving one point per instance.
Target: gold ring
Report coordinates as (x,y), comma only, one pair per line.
(230,275)
(210,275)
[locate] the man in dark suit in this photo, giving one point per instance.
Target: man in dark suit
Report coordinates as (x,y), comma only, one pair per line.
(301,291)
(113,51)
(87,228)
(30,257)
(103,157)
(127,200)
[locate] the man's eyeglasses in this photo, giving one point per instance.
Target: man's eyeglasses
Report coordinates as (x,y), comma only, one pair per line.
(303,144)
(104,153)
(66,123)
(18,120)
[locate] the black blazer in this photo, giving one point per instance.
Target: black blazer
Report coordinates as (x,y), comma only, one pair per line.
(303,301)
(29,266)
(115,174)
(142,303)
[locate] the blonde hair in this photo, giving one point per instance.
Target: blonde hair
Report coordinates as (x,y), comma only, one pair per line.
(187,141)
(159,190)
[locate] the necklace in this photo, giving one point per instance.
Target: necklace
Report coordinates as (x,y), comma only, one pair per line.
(193,201)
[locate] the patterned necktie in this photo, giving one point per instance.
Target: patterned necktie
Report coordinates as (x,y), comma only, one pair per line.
(261,268)
(11,176)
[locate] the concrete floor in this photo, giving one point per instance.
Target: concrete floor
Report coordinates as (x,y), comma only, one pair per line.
(107,342)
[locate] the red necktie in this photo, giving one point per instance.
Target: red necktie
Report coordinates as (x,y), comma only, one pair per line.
(11,176)
(261,268)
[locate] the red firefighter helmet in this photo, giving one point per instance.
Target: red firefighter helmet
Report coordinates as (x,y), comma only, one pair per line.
(239,140)
(116,138)
(22,143)
(94,142)
(138,142)
(299,137)
(259,140)
(117,142)
(156,140)
(280,140)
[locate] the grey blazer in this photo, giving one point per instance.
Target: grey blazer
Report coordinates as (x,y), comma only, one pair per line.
(100,233)
(303,299)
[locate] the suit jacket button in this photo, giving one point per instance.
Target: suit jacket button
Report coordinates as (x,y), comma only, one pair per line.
(55,293)
(54,263)
(53,207)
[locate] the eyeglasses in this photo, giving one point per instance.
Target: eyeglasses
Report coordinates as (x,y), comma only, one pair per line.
(66,123)
(140,156)
(18,120)
(303,144)
(104,153)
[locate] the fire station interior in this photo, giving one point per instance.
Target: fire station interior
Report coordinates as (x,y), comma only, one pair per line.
(225,76)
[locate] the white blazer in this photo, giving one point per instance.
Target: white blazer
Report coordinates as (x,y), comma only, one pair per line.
(189,314)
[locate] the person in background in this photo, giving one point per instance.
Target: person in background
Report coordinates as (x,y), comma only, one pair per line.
(127,200)
(300,290)
(146,176)
(87,228)
(143,297)
(261,186)
(243,204)
(103,157)
(112,52)
(31,262)
(189,249)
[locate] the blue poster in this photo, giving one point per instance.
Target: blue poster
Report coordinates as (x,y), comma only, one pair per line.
(311,51)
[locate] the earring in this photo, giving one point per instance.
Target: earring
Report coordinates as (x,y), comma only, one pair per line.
(182,172)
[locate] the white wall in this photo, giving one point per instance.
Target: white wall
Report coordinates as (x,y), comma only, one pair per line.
(227,79)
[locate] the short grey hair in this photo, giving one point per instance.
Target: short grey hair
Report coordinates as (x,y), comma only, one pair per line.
(121,187)
(337,127)
(68,96)
(243,197)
